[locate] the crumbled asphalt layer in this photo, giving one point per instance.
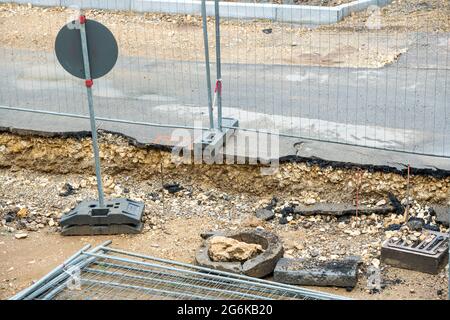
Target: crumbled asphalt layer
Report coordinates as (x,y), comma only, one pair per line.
(265,214)
(393,227)
(67,190)
(399,208)
(431,227)
(173,187)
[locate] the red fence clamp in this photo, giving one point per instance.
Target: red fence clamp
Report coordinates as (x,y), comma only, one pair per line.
(89,83)
(82,19)
(218,87)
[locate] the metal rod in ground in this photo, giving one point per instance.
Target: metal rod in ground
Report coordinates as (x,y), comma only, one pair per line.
(218,66)
(406,215)
(207,63)
(87,72)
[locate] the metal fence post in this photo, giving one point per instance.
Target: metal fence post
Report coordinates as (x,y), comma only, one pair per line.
(218,66)
(207,63)
(84,46)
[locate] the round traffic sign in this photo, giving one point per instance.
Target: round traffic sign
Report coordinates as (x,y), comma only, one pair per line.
(102,49)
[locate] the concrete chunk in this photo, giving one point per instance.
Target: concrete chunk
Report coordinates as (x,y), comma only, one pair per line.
(340,209)
(309,272)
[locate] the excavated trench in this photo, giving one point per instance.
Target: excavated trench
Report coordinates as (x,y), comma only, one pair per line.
(298,178)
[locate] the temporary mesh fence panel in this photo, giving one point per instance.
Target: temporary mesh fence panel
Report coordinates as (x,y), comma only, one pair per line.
(379,78)
(107,273)
(160,65)
(368,75)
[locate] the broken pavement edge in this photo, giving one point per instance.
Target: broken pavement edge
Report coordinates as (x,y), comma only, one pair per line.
(323,154)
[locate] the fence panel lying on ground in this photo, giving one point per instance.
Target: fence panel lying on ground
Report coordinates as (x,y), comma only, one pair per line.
(377,79)
(107,273)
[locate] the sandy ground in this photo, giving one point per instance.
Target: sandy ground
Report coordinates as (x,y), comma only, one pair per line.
(24,261)
(213,198)
(354,42)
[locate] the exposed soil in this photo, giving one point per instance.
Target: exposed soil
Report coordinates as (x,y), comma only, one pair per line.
(216,197)
(118,156)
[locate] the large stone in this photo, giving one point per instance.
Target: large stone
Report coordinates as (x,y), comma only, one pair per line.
(21,235)
(228,249)
(310,272)
(258,266)
(24,212)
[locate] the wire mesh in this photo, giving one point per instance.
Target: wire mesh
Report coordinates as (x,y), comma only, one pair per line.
(113,274)
(378,78)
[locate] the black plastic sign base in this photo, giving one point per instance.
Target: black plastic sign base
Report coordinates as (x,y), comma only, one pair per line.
(86,230)
(119,216)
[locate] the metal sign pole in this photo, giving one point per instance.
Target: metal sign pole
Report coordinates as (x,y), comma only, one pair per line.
(208,70)
(88,62)
(89,83)
(218,66)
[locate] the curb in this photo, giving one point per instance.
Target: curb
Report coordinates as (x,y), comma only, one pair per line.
(282,13)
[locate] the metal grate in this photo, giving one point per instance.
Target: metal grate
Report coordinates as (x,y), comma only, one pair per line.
(427,256)
(434,244)
(107,273)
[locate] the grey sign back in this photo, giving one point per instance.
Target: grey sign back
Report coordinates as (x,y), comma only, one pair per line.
(102,49)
